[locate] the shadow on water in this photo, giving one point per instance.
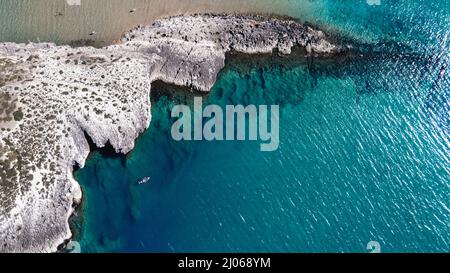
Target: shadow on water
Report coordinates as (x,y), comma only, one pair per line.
(107,151)
(177,94)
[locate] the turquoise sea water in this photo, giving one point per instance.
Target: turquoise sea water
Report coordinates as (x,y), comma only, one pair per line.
(364,152)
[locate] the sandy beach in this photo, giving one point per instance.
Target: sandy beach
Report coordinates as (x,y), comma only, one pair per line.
(104,21)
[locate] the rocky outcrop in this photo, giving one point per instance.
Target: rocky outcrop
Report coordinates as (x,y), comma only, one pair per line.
(51,95)
(192,49)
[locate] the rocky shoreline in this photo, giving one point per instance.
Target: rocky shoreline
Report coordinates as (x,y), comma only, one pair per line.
(52,95)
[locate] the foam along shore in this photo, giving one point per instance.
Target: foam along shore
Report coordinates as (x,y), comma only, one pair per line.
(54,94)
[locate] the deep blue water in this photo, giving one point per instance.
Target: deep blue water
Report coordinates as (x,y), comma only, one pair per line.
(364,152)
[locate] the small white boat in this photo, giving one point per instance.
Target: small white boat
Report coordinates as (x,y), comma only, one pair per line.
(93,33)
(144,180)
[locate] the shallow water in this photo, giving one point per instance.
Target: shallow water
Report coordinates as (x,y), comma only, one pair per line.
(364,151)
(57,21)
(362,157)
(419,23)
